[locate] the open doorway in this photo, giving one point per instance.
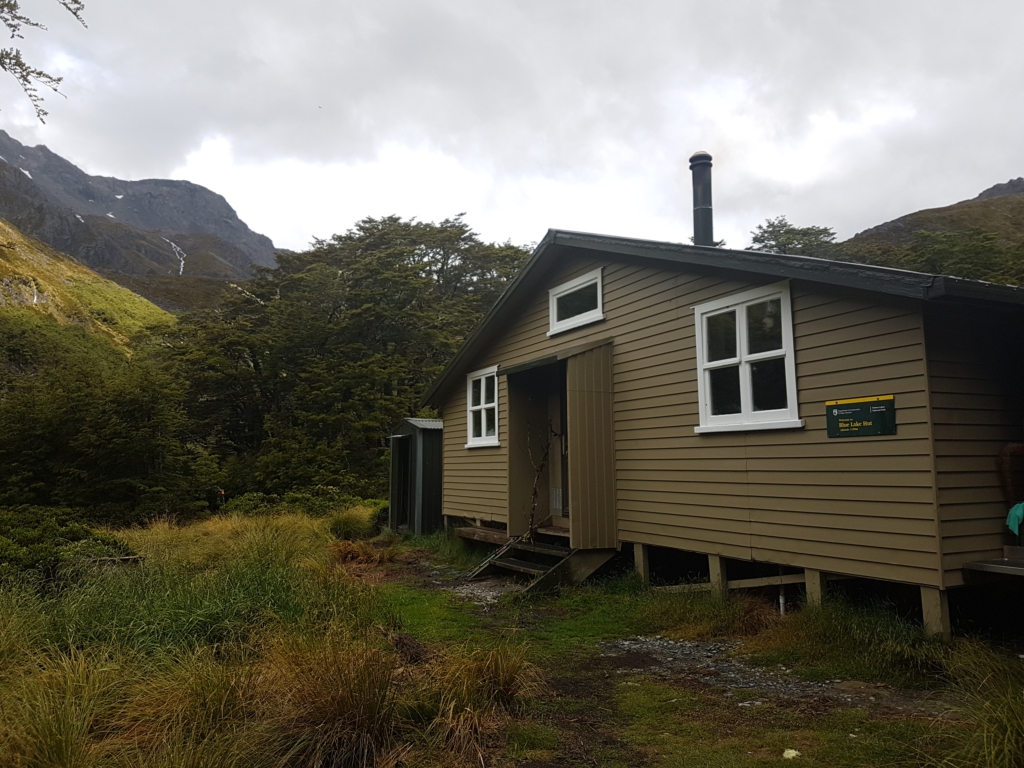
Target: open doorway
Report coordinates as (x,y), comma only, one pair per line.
(561,448)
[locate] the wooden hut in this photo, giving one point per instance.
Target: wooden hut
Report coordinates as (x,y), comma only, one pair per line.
(834,417)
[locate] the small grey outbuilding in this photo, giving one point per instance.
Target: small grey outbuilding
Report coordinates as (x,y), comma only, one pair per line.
(416,451)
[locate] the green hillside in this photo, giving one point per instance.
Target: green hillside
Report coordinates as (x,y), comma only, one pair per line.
(1001,216)
(37,281)
(980,239)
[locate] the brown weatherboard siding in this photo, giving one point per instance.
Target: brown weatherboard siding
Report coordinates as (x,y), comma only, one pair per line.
(976,409)
(857,506)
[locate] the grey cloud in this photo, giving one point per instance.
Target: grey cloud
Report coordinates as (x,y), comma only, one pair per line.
(544,88)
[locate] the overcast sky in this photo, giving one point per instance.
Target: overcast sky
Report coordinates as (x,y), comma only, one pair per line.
(526,115)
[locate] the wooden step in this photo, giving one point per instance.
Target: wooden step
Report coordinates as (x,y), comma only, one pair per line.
(542,549)
(554,530)
(520,566)
(488,535)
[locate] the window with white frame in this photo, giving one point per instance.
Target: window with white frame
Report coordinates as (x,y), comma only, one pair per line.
(575,303)
(482,407)
(746,372)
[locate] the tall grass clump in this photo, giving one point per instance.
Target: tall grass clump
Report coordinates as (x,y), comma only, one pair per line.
(988,691)
(22,622)
(220,581)
(460,691)
(55,716)
(354,523)
(461,554)
(336,705)
(701,615)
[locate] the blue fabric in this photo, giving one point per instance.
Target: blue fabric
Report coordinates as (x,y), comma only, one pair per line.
(1015,518)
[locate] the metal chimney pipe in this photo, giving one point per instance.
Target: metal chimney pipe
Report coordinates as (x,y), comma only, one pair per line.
(703,220)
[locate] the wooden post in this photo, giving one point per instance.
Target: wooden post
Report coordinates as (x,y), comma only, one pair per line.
(642,561)
(717,569)
(935,607)
(814,582)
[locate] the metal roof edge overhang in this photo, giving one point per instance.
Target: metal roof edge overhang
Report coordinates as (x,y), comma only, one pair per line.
(867,277)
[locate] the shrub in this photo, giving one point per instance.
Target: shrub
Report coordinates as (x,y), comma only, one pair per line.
(42,539)
(252,504)
(319,501)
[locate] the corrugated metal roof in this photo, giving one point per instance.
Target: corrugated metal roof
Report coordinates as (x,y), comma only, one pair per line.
(427,423)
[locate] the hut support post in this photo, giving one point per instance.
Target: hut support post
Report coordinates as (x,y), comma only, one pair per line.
(935,607)
(642,561)
(717,570)
(814,581)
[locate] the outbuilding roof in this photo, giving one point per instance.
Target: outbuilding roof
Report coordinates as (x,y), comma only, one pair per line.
(559,245)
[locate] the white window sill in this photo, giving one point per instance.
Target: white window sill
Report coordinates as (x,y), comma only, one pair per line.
(751,426)
(569,325)
(490,444)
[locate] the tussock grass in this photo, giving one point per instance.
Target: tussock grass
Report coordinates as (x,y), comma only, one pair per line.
(355,523)
(52,717)
(22,626)
(988,691)
(336,702)
(239,641)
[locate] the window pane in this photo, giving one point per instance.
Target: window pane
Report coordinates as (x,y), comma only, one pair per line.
(475,399)
(576,303)
(721,336)
(477,424)
(725,390)
(764,326)
(489,389)
(489,421)
(768,384)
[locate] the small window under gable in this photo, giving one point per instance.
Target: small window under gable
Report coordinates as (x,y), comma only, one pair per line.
(746,372)
(575,303)
(482,407)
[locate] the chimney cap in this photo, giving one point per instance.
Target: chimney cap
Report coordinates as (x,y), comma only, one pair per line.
(700,158)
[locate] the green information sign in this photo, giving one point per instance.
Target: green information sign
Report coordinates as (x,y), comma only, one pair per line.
(861,417)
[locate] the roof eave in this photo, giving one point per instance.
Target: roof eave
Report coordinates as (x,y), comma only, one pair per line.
(885,280)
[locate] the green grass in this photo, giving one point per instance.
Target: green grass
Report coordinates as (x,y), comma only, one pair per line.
(436,616)
(73,295)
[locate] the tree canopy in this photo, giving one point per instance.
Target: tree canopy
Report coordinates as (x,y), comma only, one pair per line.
(301,377)
(779,236)
(296,381)
(12,61)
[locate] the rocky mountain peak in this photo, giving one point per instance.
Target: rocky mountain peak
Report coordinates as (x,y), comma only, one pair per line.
(1012,187)
(131,227)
